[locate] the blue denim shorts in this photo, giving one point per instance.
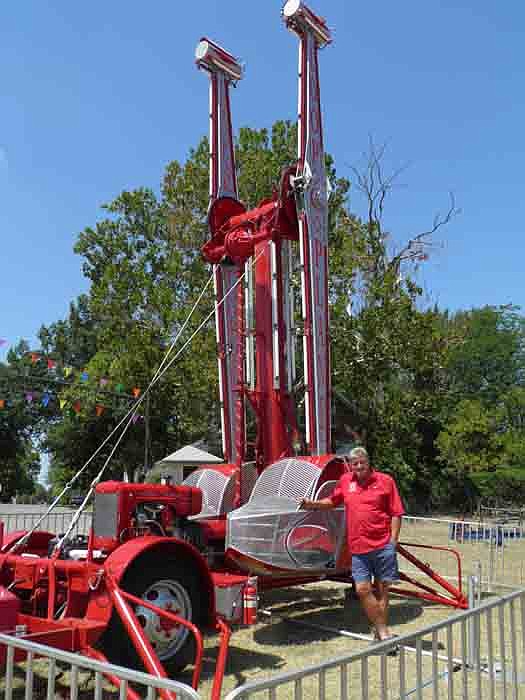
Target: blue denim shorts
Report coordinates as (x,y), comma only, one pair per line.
(380,564)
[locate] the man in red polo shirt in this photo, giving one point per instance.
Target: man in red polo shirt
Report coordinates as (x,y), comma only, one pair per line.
(373,511)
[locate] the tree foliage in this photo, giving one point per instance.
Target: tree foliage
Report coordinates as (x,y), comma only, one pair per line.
(19,463)
(432,395)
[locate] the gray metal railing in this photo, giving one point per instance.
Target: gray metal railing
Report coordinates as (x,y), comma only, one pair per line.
(477,654)
(56,522)
(51,673)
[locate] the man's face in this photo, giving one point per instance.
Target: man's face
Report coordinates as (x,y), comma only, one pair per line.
(361,468)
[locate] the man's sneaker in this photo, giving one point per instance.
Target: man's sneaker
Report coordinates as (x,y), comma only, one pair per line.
(394,651)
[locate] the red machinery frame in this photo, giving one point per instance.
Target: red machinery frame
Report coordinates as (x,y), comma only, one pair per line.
(68,603)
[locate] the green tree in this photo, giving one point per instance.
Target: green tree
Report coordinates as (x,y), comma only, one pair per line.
(470,440)
(145,268)
(490,359)
(388,355)
(19,463)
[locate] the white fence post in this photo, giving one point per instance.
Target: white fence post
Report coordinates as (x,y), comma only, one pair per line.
(473,624)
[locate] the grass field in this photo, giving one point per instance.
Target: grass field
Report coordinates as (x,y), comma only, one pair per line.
(282,640)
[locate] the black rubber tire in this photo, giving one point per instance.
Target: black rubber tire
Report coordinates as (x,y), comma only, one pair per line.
(150,575)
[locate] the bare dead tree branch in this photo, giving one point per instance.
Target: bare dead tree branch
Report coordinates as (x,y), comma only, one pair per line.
(375,185)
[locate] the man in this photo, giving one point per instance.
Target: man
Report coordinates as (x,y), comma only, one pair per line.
(373,512)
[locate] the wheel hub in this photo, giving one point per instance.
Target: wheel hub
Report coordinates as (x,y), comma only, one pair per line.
(166,637)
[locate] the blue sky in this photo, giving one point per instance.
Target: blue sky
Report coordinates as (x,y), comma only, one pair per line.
(98,97)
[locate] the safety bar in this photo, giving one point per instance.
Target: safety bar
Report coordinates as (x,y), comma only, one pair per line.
(457,600)
(176,619)
(220,666)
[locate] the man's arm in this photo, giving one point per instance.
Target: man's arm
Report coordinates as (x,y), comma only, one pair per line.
(322,504)
(395,527)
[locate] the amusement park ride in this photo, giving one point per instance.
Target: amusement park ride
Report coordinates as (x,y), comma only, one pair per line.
(162,562)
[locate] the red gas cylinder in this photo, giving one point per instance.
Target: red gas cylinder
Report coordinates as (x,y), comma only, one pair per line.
(9,608)
(249,599)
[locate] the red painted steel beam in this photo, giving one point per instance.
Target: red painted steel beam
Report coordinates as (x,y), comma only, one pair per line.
(176,620)
(137,636)
(220,665)
(117,682)
(453,591)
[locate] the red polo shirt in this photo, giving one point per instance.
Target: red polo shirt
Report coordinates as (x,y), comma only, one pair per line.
(369,509)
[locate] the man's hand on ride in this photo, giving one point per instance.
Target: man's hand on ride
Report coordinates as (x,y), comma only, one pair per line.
(322,504)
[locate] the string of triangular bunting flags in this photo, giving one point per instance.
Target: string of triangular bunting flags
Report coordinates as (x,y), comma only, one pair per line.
(46,397)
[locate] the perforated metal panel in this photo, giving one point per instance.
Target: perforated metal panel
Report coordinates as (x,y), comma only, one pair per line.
(289,478)
(273,531)
(218,491)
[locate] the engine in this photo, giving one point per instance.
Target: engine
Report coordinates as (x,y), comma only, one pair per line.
(124,511)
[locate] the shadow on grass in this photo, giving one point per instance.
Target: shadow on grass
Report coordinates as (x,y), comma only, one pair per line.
(239,661)
(326,609)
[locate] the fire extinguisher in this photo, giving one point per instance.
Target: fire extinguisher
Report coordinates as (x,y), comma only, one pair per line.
(249,600)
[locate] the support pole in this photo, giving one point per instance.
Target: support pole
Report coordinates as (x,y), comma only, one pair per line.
(220,667)
(473,624)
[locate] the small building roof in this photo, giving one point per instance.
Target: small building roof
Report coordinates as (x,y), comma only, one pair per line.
(189,455)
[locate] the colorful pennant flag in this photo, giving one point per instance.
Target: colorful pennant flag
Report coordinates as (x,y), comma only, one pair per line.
(34,357)
(136,392)
(67,371)
(29,396)
(46,398)
(2,404)
(104,381)
(99,409)
(62,403)
(77,406)
(84,376)
(135,419)
(119,388)
(51,364)
(3,341)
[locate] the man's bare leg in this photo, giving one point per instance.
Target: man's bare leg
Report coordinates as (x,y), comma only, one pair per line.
(374,607)
(382,593)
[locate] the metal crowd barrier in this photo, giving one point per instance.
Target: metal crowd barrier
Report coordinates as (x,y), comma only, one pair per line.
(49,673)
(498,550)
(477,654)
(56,522)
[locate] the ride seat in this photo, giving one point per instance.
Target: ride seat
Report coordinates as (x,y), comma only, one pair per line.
(218,492)
(289,478)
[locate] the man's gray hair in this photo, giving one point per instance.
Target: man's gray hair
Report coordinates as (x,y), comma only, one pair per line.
(358,452)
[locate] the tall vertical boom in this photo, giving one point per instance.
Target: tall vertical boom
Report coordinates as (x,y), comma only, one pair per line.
(313,222)
(297,212)
(223,70)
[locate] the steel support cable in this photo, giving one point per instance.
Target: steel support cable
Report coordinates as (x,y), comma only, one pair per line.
(156,378)
(131,413)
(162,369)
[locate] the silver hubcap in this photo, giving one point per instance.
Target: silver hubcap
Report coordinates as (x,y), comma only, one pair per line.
(166,638)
